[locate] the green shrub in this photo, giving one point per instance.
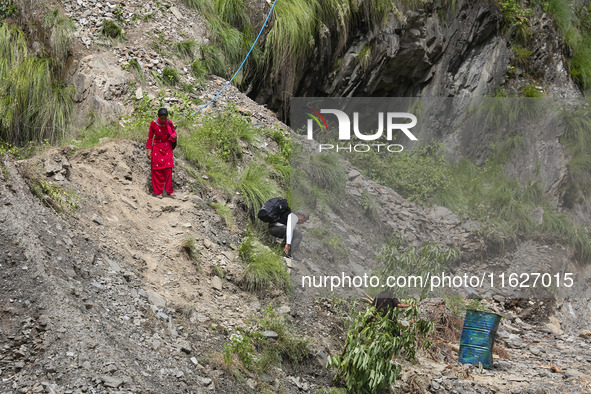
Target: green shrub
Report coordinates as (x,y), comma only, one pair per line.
(223,131)
(241,345)
(516,15)
(364,366)
(7,9)
(205,147)
(111,29)
(522,55)
(427,258)
(532,91)
(288,346)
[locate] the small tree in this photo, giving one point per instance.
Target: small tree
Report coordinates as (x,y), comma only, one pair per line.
(364,366)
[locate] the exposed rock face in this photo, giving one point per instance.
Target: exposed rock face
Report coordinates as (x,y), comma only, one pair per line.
(462,52)
(99,84)
(429,52)
(433,51)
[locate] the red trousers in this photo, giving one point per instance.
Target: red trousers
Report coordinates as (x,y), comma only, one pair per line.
(162,179)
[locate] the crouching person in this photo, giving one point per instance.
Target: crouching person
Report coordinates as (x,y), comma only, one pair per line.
(282,223)
(285,228)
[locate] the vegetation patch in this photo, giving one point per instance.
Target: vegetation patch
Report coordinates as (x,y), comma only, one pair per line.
(331,243)
(225,212)
(429,257)
(170,76)
(372,341)
(112,30)
(36,105)
(416,174)
(318,180)
(199,70)
(7,9)
(573,20)
(186,48)
(190,247)
(516,15)
(61,199)
(263,268)
(269,342)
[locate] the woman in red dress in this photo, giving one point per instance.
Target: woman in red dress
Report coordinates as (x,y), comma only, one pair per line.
(163,133)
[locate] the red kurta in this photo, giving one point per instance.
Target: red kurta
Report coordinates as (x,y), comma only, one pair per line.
(163,135)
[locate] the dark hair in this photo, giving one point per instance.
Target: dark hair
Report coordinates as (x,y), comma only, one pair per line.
(162,112)
(305,214)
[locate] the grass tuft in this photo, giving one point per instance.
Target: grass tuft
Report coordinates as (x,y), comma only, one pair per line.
(256,187)
(199,70)
(60,30)
(190,247)
(186,48)
(264,269)
(170,76)
(225,212)
(112,30)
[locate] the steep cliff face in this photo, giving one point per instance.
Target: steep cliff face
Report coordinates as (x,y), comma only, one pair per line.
(432,51)
(437,49)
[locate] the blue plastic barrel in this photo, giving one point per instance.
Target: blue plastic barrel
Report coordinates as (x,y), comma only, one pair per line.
(478,337)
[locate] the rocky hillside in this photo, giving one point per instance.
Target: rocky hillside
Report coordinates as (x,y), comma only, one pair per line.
(106,298)
(104,288)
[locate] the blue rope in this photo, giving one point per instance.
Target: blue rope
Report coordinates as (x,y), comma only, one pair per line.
(244,61)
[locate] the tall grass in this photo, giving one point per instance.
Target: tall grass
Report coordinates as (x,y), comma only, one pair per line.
(201,5)
(562,14)
(256,186)
(572,19)
(317,180)
(215,147)
(232,11)
(326,171)
(60,30)
(186,48)
(576,139)
(35,105)
(225,212)
(264,269)
(292,38)
(213,60)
